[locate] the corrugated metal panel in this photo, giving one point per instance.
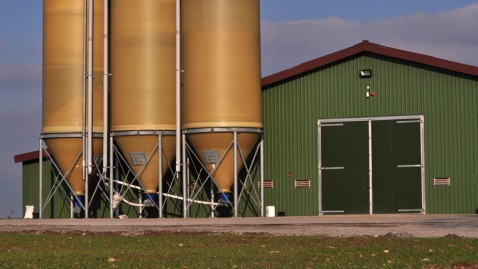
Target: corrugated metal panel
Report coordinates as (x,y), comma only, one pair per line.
(345,168)
(396,159)
(58,207)
(447,100)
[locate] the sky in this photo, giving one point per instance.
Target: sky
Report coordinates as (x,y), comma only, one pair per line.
(292,32)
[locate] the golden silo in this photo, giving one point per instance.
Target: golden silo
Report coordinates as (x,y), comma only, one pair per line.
(221,60)
(63,85)
(143,84)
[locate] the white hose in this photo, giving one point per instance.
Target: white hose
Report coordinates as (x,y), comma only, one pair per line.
(190,200)
(164,194)
(131,203)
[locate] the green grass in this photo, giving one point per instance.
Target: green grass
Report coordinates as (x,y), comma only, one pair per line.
(47,250)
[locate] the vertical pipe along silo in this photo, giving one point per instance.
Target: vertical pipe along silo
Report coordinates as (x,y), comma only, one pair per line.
(222,98)
(143,86)
(64,87)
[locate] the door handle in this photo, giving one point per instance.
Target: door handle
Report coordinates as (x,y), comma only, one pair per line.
(408,165)
(333,168)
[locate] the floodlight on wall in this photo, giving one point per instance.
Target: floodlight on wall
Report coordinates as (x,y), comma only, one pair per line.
(365,73)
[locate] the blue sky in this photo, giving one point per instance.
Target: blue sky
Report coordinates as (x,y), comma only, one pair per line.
(364,11)
(293,31)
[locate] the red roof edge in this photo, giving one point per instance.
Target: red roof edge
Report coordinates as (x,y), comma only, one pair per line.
(366,46)
(29,156)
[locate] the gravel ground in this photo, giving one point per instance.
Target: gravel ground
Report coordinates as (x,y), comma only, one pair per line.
(344,225)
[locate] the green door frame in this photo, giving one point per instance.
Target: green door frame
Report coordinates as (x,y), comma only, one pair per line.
(324,122)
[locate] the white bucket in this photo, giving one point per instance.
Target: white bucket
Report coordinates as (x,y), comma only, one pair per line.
(29,212)
(270,211)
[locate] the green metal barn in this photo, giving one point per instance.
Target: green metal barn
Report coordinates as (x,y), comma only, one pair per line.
(372,129)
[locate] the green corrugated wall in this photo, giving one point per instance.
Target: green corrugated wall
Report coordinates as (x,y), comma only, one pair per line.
(59,205)
(447,100)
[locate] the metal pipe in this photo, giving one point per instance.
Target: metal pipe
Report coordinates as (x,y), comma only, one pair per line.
(370,175)
(422,161)
(72,207)
(212,197)
(114,167)
(261,144)
(141,207)
(40,178)
(90,87)
(105,102)
(111,177)
(319,165)
(185,213)
(235,176)
(90,104)
(160,176)
(178,86)
(105,86)
(191,200)
(83,129)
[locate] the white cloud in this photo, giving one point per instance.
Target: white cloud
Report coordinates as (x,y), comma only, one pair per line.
(449,35)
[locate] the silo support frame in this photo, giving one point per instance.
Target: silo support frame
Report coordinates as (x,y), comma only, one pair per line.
(134,182)
(60,178)
(194,191)
(130,181)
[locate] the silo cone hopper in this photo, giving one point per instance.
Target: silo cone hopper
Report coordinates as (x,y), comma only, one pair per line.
(63,87)
(216,153)
(67,153)
(141,153)
(222,90)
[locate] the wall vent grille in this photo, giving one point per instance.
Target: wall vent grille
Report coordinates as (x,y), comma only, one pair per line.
(268,184)
(441,182)
(302,183)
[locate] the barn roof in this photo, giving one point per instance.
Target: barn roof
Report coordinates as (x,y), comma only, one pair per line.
(29,156)
(366,46)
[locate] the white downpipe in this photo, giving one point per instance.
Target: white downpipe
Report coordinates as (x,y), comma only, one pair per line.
(105,87)
(180,139)
(90,88)
(83,129)
(105,101)
(178,87)
(90,105)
